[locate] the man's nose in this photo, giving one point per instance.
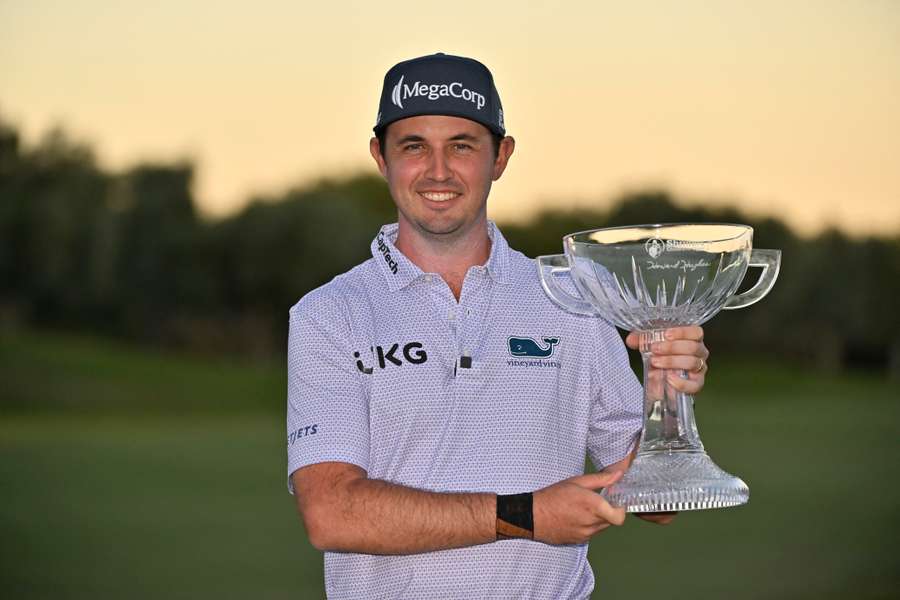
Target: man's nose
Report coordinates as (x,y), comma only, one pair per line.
(438,169)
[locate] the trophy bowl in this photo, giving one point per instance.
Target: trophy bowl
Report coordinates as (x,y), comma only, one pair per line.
(648,278)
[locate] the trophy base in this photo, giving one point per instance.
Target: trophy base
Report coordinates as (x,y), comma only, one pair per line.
(675,481)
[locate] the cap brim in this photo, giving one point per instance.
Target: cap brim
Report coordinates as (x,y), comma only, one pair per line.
(445,113)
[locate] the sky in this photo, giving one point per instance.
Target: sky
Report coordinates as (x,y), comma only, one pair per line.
(788,108)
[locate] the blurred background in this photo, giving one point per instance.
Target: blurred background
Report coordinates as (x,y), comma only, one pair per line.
(175,175)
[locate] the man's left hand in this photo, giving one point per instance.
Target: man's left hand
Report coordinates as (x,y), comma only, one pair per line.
(683,349)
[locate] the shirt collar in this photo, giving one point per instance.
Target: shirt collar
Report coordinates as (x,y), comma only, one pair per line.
(399,271)
(498,261)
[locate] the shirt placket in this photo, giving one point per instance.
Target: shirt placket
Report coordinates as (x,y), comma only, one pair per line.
(470,316)
(446,310)
(464,319)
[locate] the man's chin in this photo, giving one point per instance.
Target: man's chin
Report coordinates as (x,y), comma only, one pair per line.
(441,228)
(442,231)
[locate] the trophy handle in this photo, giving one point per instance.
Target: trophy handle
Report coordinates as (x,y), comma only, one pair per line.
(548,267)
(770,261)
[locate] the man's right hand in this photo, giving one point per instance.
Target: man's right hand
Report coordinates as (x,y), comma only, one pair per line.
(571,511)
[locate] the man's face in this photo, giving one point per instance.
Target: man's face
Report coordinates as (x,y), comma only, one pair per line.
(439,170)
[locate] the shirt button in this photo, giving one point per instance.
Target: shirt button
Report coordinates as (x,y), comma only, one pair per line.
(428,279)
(451,314)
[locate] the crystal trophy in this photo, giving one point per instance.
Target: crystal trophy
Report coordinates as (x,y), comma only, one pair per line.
(649,278)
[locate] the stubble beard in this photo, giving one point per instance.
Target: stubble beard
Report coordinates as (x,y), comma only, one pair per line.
(443,231)
(440,232)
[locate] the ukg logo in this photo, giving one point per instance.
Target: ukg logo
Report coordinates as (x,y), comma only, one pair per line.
(414,353)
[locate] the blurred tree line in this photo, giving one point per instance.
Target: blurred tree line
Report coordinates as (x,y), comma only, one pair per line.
(126,254)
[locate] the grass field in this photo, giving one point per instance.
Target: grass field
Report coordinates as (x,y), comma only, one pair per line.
(131,474)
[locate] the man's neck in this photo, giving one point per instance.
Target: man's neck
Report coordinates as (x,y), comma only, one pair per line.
(449,257)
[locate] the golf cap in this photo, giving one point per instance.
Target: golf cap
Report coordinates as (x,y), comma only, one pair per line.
(440,84)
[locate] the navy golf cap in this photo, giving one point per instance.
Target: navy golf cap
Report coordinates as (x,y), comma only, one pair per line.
(440,84)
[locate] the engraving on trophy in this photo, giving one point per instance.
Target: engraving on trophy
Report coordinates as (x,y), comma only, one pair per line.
(684,265)
(654,247)
(693,272)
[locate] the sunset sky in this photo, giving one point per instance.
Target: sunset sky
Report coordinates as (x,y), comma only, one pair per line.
(788,108)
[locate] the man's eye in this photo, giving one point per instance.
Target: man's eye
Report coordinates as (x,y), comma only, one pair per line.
(412,147)
(462,147)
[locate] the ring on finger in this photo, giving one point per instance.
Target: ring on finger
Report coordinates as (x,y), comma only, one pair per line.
(700,367)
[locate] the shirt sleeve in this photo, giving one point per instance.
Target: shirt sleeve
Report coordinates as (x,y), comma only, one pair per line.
(617,408)
(327,403)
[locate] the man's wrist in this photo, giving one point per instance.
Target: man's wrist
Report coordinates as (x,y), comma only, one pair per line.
(515,516)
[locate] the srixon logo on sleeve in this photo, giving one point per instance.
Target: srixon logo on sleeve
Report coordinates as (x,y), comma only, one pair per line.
(395,354)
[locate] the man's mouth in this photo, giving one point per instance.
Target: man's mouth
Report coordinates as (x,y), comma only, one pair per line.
(439,196)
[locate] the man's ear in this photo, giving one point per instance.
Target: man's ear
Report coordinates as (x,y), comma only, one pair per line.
(375,151)
(507,146)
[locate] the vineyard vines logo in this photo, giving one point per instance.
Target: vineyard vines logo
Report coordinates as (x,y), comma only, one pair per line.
(528,352)
(526,346)
(433,91)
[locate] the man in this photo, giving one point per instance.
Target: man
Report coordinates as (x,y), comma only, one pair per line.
(440,406)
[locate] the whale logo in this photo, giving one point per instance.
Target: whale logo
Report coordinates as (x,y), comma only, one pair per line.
(526,346)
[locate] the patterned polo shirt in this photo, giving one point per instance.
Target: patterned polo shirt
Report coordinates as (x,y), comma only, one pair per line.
(499,392)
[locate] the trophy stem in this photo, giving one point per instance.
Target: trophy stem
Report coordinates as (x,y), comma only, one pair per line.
(669,423)
(671,471)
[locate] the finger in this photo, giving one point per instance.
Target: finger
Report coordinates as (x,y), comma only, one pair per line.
(687,386)
(595,481)
(692,364)
(686,347)
(609,513)
(661,518)
(633,340)
(599,527)
(689,332)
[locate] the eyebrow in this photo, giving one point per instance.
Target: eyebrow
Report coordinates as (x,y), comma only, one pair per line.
(410,138)
(464,137)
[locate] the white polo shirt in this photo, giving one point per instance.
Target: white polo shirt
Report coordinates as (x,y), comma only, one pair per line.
(377,378)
